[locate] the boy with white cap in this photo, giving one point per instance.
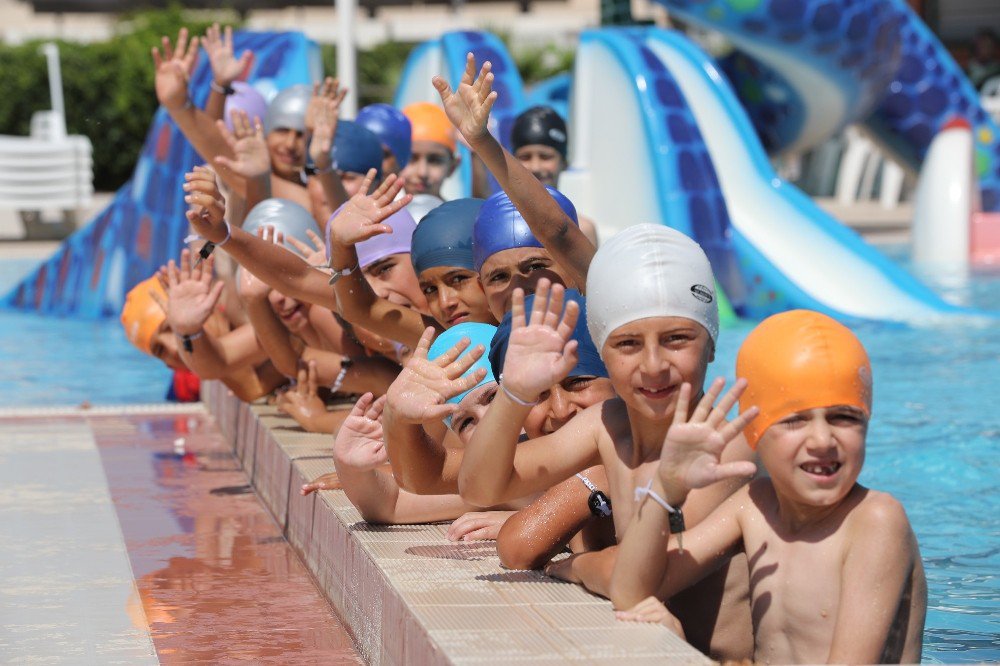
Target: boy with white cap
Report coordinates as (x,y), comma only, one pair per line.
(836,567)
(652,314)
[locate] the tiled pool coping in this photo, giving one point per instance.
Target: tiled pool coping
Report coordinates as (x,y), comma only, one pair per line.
(410,596)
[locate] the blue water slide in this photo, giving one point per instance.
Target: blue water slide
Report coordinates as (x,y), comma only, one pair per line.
(446,57)
(806,68)
(791,250)
(553,92)
(144,225)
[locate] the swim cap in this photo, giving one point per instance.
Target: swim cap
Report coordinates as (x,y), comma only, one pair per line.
(800,360)
(430,123)
(539,125)
(391,127)
(288,109)
(501,227)
(649,270)
(355,149)
(142,316)
(381,246)
(421,204)
(444,236)
(589,363)
(285,216)
(479,334)
(246,99)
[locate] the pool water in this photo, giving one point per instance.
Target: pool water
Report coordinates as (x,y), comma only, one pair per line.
(933,442)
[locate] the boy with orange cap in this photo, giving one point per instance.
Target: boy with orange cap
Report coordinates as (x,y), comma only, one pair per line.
(433,157)
(836,569)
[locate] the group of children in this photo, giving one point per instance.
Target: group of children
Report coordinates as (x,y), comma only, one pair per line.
(520,381)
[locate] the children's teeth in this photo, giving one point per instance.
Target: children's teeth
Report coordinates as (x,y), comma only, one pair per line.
(821,469)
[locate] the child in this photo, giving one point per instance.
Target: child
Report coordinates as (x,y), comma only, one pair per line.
(836,570)
(394,131)
(433,157)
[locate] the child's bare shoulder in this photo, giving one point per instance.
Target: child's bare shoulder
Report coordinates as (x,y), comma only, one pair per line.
(878,513)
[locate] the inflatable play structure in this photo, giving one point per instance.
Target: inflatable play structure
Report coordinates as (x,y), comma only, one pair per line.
(662,132)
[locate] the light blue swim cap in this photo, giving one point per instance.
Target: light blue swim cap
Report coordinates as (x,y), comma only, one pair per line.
(391,127)
(444,236)
(500,226)
(479,334)
(288,109)
(355,149)
(285,216)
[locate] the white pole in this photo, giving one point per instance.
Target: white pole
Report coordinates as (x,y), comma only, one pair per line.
(347,71)
(51,52)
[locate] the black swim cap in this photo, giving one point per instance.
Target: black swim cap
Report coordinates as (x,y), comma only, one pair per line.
(539,125)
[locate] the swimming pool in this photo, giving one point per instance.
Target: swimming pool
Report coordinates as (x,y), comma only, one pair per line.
(932,443)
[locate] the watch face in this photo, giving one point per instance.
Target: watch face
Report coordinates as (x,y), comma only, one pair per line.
(599,504)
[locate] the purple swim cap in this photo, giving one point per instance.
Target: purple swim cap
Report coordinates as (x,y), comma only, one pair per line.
(500,226)
(381,246)
(246,99)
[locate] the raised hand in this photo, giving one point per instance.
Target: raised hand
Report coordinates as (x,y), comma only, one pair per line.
(469,107)
(419,393)
(218,44)
(302,402)
(360,444)
(540,352)
(207,214)
(247,142)
(315,256)
(652,611)
(329,90)
(478,525)
(174,68)
(191,294)
(361,217)
(693,447)
(325,114)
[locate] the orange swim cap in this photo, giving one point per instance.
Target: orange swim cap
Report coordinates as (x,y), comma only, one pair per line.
(801,360)
(141,315)
(430,123)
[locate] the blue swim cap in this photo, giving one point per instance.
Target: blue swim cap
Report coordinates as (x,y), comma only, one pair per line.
(444,236)
(501,227)
(589,363)
(479,334)
(391,127)
(355,149)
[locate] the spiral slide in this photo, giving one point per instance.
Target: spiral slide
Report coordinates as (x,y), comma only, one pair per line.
(635,92)
(144,225)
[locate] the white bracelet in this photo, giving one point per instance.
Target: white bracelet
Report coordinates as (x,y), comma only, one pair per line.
(647,491)
(195,237)
(345,365)
(587,482)
(514,398)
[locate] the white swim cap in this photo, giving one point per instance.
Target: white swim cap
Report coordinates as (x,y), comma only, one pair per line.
(649,270)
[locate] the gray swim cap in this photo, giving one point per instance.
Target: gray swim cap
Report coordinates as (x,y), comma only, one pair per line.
(649,270)
(288,109)
(285,216)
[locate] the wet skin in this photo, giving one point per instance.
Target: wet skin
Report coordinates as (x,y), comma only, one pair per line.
(393,279)
(518,267)
(455,295)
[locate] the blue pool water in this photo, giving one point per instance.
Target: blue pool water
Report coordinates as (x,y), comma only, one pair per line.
(933,443)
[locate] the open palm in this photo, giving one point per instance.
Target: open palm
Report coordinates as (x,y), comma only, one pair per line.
(468,108)
(360,443)
(362,216)
(191,295)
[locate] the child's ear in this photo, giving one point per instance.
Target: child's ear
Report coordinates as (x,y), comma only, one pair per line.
(711,350)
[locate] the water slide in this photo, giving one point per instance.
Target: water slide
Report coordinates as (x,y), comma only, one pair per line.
(144,225)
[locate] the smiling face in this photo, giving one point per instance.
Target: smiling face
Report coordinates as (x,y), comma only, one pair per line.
(814,456)
(293,314)
(649,359)
(430,163)
(564,401)
(523,267)
(471,410)
(393,279)
(287,148)
(543,161)
(455,295)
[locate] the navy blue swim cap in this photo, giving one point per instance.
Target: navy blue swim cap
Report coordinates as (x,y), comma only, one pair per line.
(589,363)
(501,227)
(444,236)
(539,125)
(391,127)
(355,149)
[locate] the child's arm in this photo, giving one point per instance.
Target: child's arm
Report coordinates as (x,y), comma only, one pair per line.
(877,570)
(690,459)
(478,525)
(226,68)
(325,109)
(540,353)
(469,110)
(536,533)
(359,221)
(250,160)
(592,570)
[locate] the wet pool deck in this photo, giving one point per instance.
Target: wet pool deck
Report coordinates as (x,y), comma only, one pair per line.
(408,594)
